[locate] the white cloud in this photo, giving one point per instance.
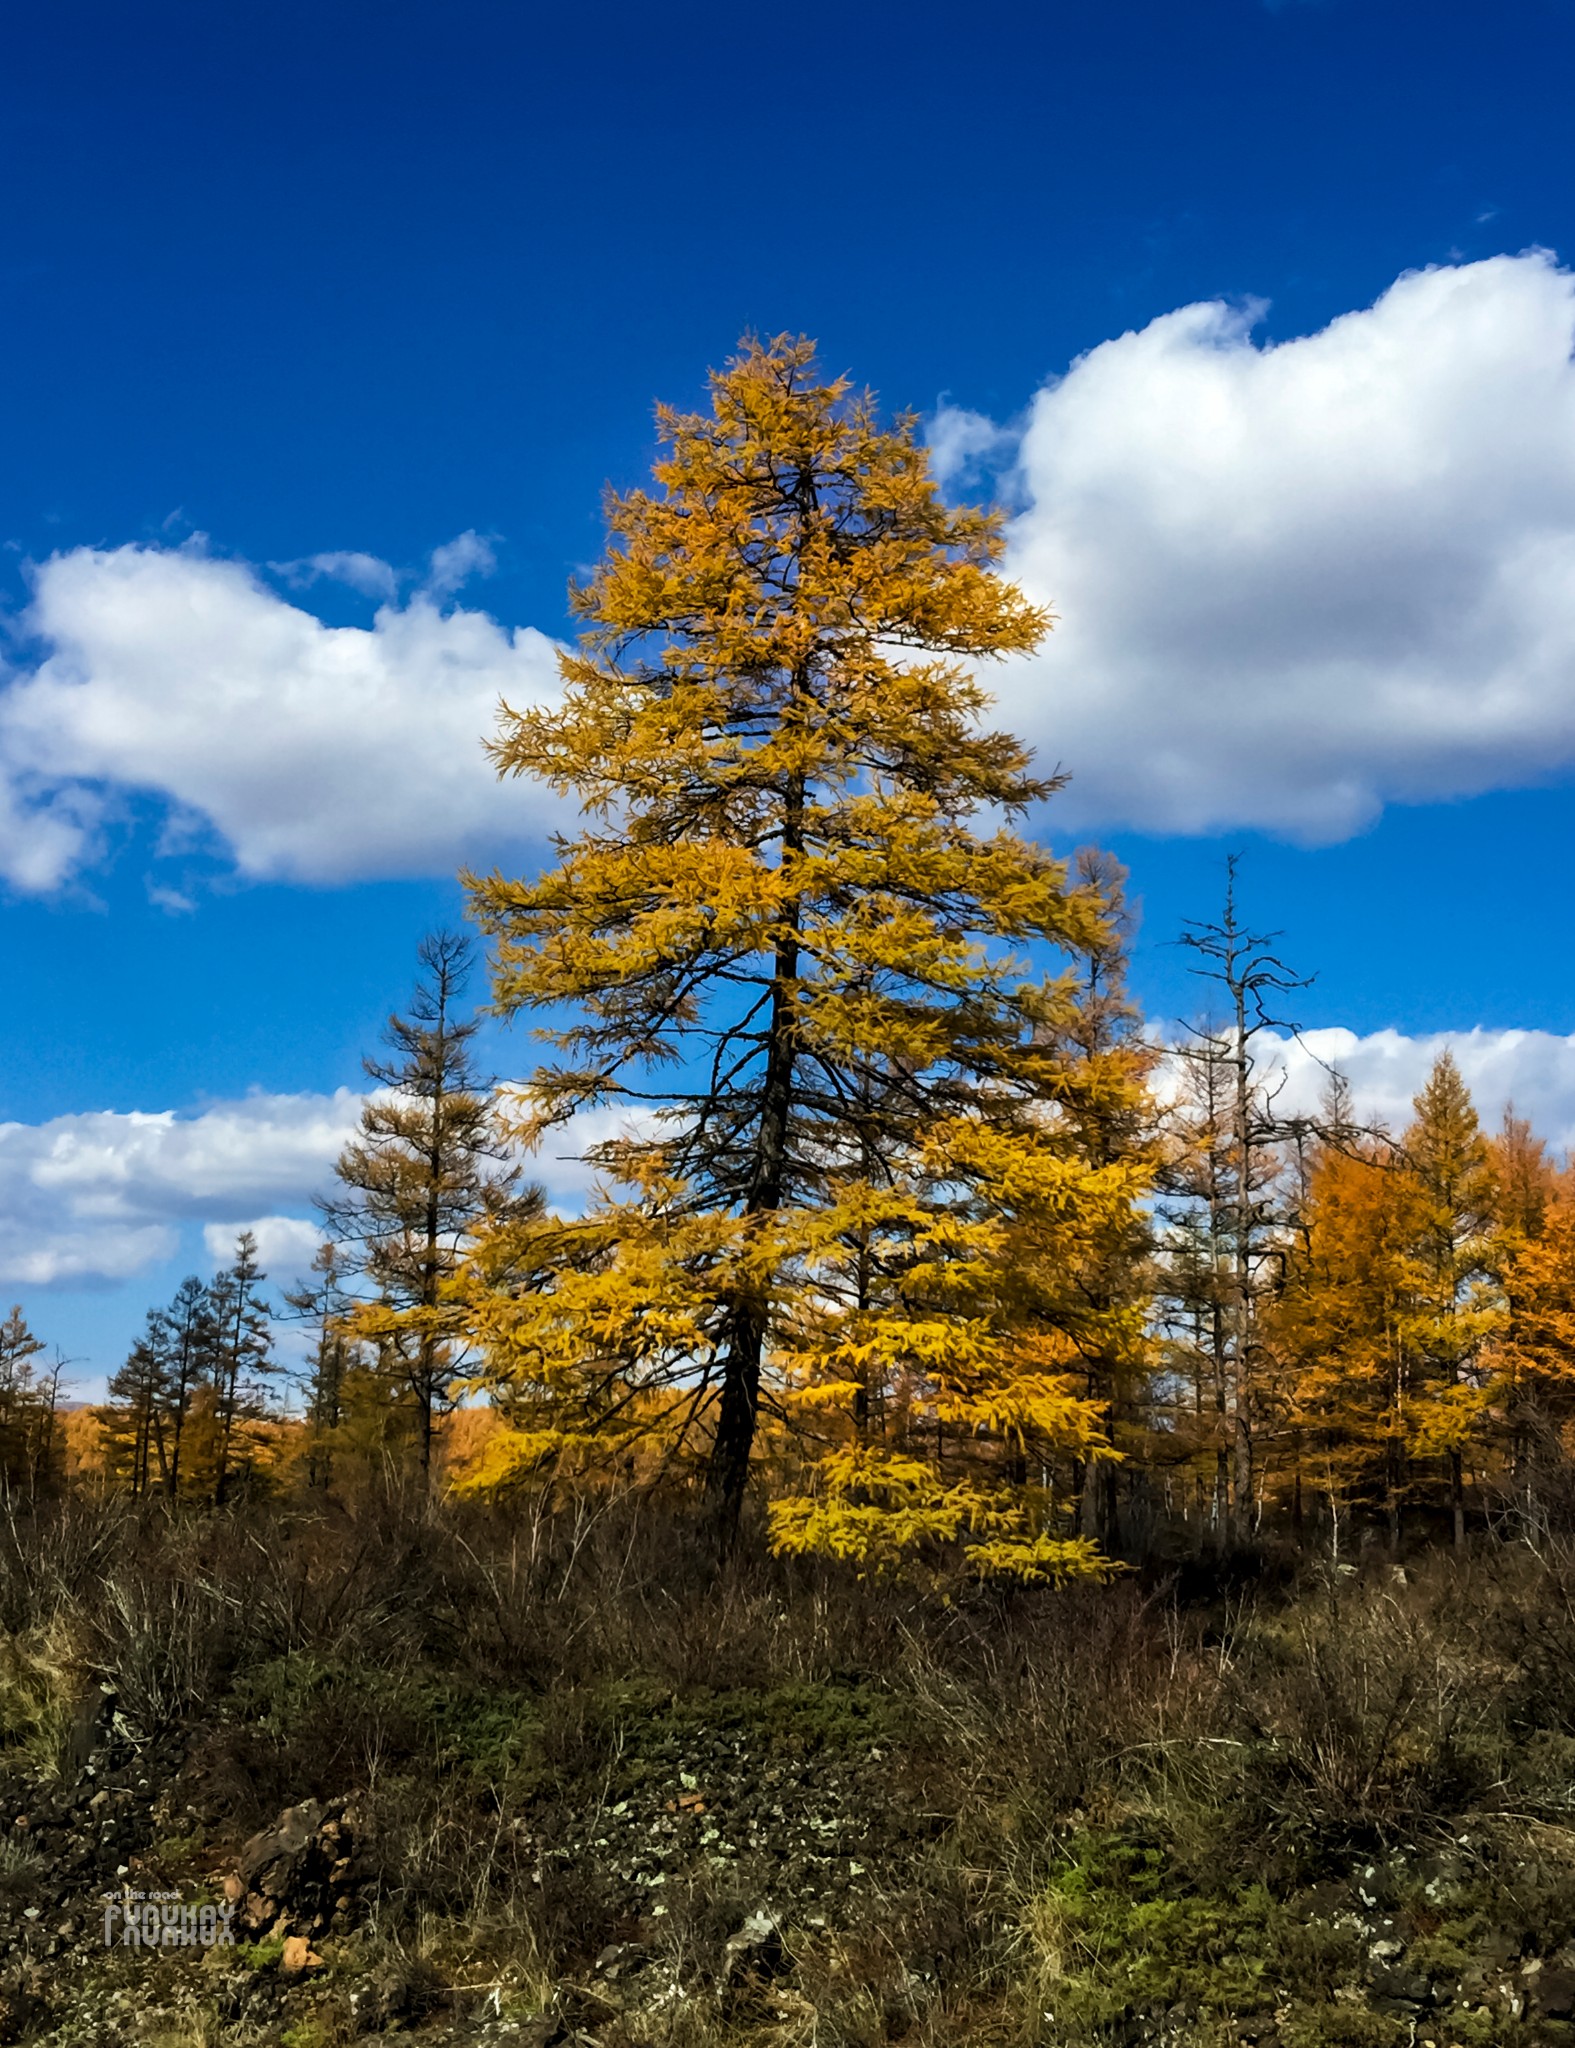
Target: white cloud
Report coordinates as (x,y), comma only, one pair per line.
(319,753)
(286,1245)
(1297,582)
(1533,1069)
(457,561)
(45,833)
(100,1195)
(963,445)
(448,569)
(365,573)
(35,1252)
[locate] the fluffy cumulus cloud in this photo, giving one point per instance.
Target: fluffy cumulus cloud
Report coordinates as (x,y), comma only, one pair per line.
(1534,1070)
(1296,582)
(317,753)
(98,1197)
(286,1245)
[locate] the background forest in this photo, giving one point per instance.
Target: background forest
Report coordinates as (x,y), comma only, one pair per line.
(1310,1332)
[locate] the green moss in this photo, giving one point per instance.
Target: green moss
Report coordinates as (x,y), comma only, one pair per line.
(447,1722)
(1344,2026)
(1120,1938)
(259,1955)
(308,2033)
(1451,1950)
(169,1851)
(1125,1937)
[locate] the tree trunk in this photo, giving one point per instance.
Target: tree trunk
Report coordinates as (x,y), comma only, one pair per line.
(227,1399)
(1222,1500)
(728,1475)
(1246,1334)
(168,1479)
(1099,1506)
(424,1426)
(1246,1505)
(728,1478)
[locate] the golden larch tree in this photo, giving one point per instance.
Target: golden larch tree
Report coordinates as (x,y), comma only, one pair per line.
(1342,1321)
(1459,1307)
(787,969)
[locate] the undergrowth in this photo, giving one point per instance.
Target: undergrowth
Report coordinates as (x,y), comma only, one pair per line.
(1155,1810)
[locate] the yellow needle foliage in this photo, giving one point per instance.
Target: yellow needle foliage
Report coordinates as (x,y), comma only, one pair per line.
(1535,1358)
(793,971)
(1342,1324)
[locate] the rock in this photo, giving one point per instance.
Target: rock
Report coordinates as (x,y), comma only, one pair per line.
(1378,1885)
(1550,1992)
(297,1874)
(621,1959)
(1393,1984)
(755,1954)
(298,1956)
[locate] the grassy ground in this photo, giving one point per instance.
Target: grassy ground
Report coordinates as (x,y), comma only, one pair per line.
(600,1790)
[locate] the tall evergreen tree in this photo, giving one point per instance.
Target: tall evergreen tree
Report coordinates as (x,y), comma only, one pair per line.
(242,1357)
(431,1162)
(324,1306)
(181,1339)
(27,1405)
(1533,1358)
(131,1423)
(1459,1305)
(1227,1185)
(793,967)
(1116,1127)
(1343,1318)
(1525,1182)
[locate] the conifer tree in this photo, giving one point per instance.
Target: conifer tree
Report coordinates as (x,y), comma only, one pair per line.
(793,966)
(134,1449)
(1343,1318)
(242,1357)
(1534,1357)
(1525,1183)
(1118,1126)
(1195,1291)
(325,1306)
(181,1341)
(27,1404)
(429,1164)
(1228,1211)
(1459,1306)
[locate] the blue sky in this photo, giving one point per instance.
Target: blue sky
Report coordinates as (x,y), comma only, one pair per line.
(298,298)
